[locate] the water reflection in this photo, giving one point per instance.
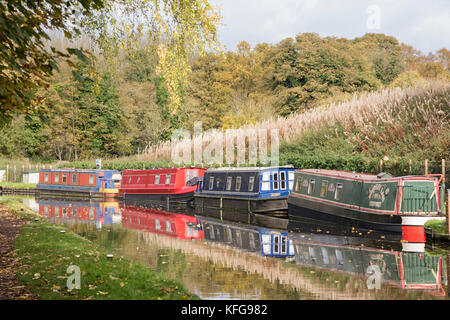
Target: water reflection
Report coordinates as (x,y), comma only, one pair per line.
(216,259)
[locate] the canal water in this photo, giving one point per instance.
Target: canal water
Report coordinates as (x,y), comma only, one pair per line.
(222,260)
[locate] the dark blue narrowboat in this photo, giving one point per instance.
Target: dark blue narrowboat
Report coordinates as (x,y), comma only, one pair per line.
(72,183)
(267,242)
(255,195)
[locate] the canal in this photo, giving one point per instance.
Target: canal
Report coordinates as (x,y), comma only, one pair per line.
(220,260)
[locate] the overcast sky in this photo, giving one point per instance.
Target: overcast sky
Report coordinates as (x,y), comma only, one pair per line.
(423,24)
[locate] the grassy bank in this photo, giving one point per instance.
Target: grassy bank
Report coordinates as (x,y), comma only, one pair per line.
(437,226)
(17,185)
(45,255)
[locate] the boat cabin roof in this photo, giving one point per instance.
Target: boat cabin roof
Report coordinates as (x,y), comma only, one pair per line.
(79,170)
(247,169)
(358,176)
(159,171)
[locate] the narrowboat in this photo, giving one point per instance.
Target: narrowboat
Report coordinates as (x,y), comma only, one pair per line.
(376,262)
(248,195)
(80,211)
(170,224)
(364,201)
(266,242)
(163,189)
(79,183)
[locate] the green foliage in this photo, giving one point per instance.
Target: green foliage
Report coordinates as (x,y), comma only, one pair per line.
(25,61)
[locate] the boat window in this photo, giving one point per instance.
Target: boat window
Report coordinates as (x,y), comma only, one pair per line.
(275,181)
(56,177)
(323,190)
(276,244)
(194,173)
(129,180)
(74,178)
(251,239)
(265,181)
(312,183)
(312,253)
(238,183)
(230,235)
(325,255)
(56,211)
(251,183)
(283,245)
(229,180)
(64,178)
(46,211)
(339,257)
(91,179)
(283,180)
(188,175)
(138,179)
(45,177)
(91,213)
(211,183)
(298,184)
(157,225)
(338,192)
(211,231)
(168,226)
(168,179)
(157,179)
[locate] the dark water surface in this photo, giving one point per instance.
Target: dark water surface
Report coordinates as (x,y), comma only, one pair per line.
(219,260)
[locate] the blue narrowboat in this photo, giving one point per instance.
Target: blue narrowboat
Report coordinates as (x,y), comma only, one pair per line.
(79,183)
(80,211)
(267,242)
(255,195)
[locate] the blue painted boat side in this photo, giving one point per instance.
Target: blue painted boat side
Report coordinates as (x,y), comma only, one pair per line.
(258,183)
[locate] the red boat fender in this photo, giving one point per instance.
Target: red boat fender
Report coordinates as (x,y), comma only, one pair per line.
(413,234)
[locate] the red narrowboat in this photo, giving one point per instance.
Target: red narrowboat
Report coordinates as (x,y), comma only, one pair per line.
(161,222)
(169,189)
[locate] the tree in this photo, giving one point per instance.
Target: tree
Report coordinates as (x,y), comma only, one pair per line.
(25,62)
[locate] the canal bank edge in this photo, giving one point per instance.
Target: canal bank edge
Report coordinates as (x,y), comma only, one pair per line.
(51,258)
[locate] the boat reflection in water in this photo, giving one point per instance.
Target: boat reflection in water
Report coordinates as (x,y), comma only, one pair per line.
(387,261)
(267,242)
(160,222)
(80,211)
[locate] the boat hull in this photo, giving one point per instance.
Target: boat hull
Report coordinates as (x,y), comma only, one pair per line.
(305,210)
(73,193)
(270,213)
(181,203)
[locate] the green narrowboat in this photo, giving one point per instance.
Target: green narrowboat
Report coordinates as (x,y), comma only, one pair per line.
(373,202)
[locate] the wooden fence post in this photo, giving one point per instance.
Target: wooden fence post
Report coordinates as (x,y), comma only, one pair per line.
(426,166)
(7,172)
(381,165)
(410,166)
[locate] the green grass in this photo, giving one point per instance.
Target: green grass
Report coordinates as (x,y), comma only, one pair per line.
(438,226)
(17,185)
(45,254)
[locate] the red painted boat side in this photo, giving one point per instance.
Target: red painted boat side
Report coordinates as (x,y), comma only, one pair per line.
(171,224)
(171,181)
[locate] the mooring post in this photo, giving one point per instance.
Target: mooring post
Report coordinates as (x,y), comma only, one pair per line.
(448,215)
(410,166)
(7,171)
(426,166)
(443,171)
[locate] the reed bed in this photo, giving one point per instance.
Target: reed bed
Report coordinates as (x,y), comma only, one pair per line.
(366,112)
